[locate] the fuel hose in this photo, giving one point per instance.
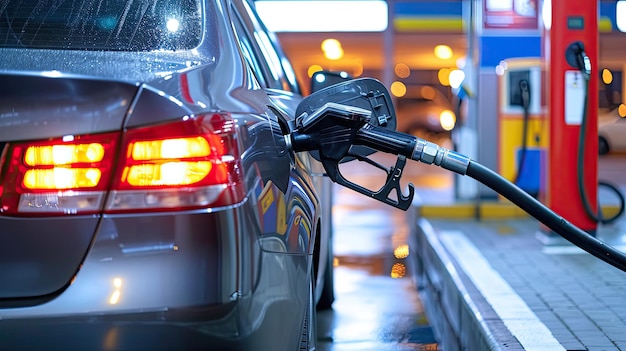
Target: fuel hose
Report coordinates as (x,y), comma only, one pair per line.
(431,153)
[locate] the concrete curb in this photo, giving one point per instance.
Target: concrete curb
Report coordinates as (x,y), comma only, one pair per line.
(461,317)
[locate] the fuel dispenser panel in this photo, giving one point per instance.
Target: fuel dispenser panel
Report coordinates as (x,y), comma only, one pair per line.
(522,127)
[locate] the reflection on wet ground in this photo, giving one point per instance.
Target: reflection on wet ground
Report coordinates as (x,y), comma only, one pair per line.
(377,305)
(374,313)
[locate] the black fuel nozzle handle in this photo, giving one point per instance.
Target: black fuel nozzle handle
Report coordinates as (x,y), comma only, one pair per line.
(397,143)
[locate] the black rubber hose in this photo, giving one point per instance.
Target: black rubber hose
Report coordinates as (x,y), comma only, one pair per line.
(526,107)
(581,174)
(546,216)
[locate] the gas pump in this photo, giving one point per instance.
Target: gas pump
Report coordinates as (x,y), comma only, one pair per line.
(571,49)
(351,120)
(523,133)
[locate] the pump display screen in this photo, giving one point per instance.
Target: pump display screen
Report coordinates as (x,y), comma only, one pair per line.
(575,22)
(515,93)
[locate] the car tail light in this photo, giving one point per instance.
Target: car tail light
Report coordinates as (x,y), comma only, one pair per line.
(192,163)
(65,175)
(188,164)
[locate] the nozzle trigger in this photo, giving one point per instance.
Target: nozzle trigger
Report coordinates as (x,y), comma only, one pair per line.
(392,184)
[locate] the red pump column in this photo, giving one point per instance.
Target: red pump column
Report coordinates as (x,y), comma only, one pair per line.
(571,21)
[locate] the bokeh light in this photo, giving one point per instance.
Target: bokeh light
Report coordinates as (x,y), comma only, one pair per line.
(443,52)
(332,49)
(402,70)
(607,76)
(314,68)
(398,89)
(444,76)
(455,78)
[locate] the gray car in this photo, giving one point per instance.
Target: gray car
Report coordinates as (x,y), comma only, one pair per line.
(148,197)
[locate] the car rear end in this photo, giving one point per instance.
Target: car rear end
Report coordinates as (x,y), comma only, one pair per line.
(138,221)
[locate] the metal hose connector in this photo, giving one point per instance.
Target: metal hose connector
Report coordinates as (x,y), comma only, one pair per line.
(431,153)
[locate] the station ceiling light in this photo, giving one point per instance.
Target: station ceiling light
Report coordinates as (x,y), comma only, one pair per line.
(324,16)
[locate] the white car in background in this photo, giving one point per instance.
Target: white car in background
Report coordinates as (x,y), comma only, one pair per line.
(612,131)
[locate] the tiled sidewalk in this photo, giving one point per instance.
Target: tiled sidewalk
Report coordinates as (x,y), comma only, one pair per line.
(492,284)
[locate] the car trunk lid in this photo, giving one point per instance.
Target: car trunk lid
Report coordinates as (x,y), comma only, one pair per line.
(40,256)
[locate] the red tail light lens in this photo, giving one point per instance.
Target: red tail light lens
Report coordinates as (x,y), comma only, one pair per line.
(58,176)
(188,164)
(193,163)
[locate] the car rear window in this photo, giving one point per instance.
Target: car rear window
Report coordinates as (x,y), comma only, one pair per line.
(126,25)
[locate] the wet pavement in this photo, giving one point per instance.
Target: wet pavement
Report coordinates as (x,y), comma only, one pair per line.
(377,305)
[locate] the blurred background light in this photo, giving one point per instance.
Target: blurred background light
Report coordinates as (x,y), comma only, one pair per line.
(398,270)
(330,44)
(444,76)
(607,76)
(443,52)
(428,92)
(501,68)
(401,251)
(398,89)
(324,16)
(447,119)
(402,70)
(461,62)
(332,49)
(455,78)
(314,68)
(334,54)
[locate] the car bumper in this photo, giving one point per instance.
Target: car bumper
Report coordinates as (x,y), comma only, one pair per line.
(179,281)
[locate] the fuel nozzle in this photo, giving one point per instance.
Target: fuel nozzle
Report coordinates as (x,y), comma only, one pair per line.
(336,130)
